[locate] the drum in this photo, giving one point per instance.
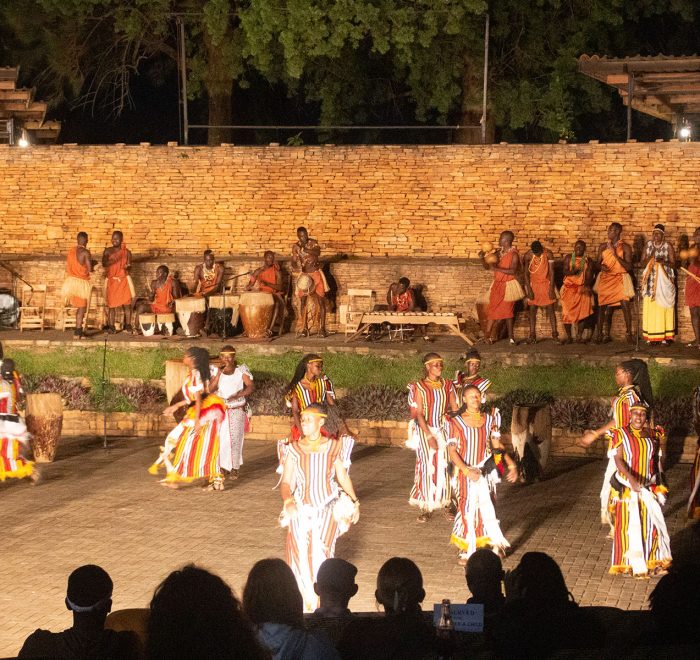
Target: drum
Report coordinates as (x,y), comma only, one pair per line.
(147,323)
(219,302)
(9,309)
(192,315)
(256,313)
(44,421)
(165,324)
(305,284)
(531,435)
(175,374)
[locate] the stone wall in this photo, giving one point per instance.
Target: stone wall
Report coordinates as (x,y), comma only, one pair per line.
(434,201)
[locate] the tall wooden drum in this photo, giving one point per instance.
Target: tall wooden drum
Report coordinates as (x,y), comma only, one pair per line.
(256,311)
(44,420)
(531,435)
(192,314)
(175,374)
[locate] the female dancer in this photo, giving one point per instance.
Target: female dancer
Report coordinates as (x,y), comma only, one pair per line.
(14,438)
(632,377)
(319,500)
(472,363)
(308,385)
(641,544)
(233,384)
(195,439)
(475,449)
(429,399)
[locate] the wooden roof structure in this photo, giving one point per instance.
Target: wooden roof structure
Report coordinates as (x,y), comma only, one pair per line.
(662,86)
(26,113)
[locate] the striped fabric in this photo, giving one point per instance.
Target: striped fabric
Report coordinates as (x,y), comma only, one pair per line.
(431,483)
(307,392)
(8,397)
(12,465)
(474,447)
(640,454)
(462,380)
(312,534)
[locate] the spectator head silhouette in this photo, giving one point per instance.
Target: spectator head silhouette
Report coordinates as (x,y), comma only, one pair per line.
(335,583)
(484,573)
(399,586)
(675,604)
(537,578)
(89,594)
(271,594)
(194,614)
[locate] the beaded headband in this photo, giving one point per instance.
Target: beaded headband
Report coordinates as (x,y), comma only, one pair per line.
(315,413)
(315,360)
(227,353)
(427,362)
(639,406)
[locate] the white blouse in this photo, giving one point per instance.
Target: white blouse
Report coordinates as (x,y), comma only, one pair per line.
(231,383)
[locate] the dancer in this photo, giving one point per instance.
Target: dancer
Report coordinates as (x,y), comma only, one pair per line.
(505,289)
(692,287)
(116,261)
(538,266)
(576,292)
(233,384)
(472,362)
(641,544)
(76,287)
(429,399)
(632,377)
(614,284)
(195,440)
(694,499)
(659,290)
(14,439)
(319,499)
(475,449)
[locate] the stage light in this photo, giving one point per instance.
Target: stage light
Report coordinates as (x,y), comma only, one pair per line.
(24,140)
(685,133)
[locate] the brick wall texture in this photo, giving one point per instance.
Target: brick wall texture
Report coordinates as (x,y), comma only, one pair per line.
(418,211)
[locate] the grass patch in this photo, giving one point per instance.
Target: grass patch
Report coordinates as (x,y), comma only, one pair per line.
(351,371)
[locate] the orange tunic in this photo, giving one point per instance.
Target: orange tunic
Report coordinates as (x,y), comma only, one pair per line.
(499,307)
(267,279)
(576,302)
(118,286)
(164,301)
(692,287)
(540,281)
(611,286)
(75,269)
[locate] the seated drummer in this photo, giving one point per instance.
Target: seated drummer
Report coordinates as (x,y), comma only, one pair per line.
(208,276)
(268,279)
(401,297)
(164,291)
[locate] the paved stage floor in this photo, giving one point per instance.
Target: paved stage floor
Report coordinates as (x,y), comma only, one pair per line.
(97,506)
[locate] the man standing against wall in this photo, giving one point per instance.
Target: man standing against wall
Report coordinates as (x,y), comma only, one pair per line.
(76,287)
(116,261)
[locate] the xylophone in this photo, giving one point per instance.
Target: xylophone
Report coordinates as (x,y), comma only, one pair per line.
(448,319)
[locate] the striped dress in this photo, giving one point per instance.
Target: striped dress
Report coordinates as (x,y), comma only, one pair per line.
(473,444)
(431,485)
(197,452)
(312,534)
(305,393)
(620,412)
(639,526)
(462,380)
(13,434)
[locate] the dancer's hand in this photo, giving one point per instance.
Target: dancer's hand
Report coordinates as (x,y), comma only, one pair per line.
(433,441)
(356,513)
(290,508)
(197,426)
(512,474)
(170,410)
(589,437)
(473,474)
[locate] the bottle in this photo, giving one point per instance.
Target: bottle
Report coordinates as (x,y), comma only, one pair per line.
(445,625)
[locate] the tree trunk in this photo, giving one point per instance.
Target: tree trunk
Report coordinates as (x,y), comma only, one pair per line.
(219,83)
(471,105)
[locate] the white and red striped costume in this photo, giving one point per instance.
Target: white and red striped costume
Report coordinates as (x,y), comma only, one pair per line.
(431,484)
(13,434)
(475,524)
(312,533)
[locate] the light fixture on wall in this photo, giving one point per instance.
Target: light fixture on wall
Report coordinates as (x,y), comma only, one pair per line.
(685,133)
(24,139)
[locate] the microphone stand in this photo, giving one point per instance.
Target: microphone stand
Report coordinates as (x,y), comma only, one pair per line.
(104,394)
(224,336)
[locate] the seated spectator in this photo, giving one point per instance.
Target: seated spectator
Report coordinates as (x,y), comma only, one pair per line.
(89,597)
(403,633)
(675,606)
(335,586)
(272,601)
(540,616)
(484,573)
(194,614)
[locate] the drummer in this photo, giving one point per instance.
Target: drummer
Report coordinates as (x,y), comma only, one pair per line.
(208,276)
(268,279)
(303,250)
(164,291)
(313,295)
(401,297)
